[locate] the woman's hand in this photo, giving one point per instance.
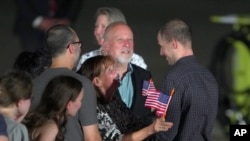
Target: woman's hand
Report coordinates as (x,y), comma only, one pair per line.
(160,124)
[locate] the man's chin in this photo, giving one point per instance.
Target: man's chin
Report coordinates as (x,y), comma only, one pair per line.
(124,60)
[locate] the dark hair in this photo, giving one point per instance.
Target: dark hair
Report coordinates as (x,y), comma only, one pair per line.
(58,38)
(94,66)
(33,63)
(14,86)
(59,91)
(176,29)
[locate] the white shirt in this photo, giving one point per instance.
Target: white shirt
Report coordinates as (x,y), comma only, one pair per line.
(136,59)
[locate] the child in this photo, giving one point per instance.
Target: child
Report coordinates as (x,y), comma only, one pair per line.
(15,94)
(61,98)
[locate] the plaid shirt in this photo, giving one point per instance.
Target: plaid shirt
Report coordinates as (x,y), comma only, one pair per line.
(193,107)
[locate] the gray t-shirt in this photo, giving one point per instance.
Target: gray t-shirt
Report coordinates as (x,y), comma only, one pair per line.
(87,114)
(16,131)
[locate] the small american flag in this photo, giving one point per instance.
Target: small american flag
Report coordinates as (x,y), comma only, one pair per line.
(151,101)
(152,95)
(156,99)
(162,102)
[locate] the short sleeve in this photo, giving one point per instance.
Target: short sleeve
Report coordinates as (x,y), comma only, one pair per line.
(87,113)
(19,133)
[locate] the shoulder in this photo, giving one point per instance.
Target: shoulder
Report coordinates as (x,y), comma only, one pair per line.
(139,61)
(46,132)
(16,130)
(49,74)
(14,126)
(90,54)
(140,74)
(20,129)
(86,56)
(137,70)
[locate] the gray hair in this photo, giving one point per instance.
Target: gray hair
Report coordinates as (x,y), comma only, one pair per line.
(111,26)
(113,14)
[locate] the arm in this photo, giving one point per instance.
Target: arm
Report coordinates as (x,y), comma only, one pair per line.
(87,113)
(157,126)
(91,133)
(3,138)
(47,133)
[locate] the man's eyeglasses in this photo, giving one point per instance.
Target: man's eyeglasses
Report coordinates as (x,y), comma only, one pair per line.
(78,42)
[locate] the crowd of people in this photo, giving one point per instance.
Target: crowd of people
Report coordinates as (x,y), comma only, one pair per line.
(59,93)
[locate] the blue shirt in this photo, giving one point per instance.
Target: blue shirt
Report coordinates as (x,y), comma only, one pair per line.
(126,87)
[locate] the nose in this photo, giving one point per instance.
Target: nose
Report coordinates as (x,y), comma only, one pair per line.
(98,30)
(127,42)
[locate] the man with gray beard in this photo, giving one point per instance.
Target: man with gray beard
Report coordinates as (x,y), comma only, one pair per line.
(118,43)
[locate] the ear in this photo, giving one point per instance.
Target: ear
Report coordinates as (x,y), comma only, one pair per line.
(102,41)
(69,104)
(174,43)
(70,48)
(104,45)
(19,103)
(97,82)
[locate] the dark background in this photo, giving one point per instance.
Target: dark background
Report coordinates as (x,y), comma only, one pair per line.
(145,18)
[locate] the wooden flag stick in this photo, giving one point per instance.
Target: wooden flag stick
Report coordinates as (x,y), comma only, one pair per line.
(170,97)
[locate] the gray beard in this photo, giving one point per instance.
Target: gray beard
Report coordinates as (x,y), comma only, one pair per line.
(123,60)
